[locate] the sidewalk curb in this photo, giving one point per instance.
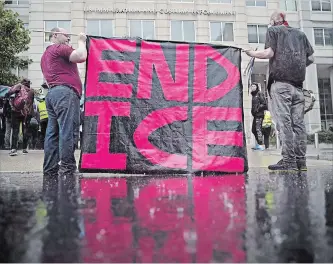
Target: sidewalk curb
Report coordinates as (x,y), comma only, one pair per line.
(308,156)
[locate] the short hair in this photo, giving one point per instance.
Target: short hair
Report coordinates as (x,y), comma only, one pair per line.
(56,29)
(278,16)
(26,82)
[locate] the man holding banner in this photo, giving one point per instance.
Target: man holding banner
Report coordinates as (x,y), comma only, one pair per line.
(59,67)
(289,53)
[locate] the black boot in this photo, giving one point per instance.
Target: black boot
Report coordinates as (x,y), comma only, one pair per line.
(301,165)
(283,166)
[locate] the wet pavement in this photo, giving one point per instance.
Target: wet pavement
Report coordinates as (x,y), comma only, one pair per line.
(255,217)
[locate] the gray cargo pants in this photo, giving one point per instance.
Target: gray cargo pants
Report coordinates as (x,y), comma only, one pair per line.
(288,106)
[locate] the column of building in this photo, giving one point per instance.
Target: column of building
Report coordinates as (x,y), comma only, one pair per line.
(202,28)
(120,19)
(36,22)
(162,22)
(241,40)
(312,118)
(77,18)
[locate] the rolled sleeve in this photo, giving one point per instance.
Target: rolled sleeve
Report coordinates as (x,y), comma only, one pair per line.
(65,51)
(271,41)
(308,48)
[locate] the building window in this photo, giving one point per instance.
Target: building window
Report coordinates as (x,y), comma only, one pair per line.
(288,5)
(182,30)
(255,3)
(50,24)
(321,5)
(221,31)
(17,2)
(219,1)
(103,28)
(325,102)
(323,36)
(256,33)
(20,73)
(144,29)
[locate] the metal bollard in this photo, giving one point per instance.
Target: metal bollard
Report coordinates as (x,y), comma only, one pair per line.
(277,141)
(316,141)
(317,145)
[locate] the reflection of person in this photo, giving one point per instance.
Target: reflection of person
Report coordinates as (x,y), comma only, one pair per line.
(297,246)
(289,53)
(59,67)
(257,110)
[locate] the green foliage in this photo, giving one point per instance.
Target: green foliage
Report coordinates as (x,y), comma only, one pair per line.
(324,136)
(14,39)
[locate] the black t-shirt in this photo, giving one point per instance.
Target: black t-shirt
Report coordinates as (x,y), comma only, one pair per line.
(291,49)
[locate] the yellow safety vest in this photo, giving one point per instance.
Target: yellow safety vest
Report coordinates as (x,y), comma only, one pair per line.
(267,122)
(42,110)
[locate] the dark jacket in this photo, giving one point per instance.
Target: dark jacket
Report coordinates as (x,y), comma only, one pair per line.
(7,108)
(259,104)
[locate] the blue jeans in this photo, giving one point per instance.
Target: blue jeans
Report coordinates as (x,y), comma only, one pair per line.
(62,133)
(288,104)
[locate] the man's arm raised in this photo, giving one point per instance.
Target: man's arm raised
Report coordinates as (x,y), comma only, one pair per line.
(80,54)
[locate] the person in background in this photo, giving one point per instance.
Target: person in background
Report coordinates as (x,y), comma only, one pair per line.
(43,119)
(7,112)
(22,115)
(33,129)
(59,67)
(258,108)
(267,128)
(289,52)
(2,124)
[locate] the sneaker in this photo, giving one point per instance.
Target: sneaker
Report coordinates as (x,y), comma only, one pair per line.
(301,165)
(25,151)
(283,166)
(260,147)
(255,147)
(13,152)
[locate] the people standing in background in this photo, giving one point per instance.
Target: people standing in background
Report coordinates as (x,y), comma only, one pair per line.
(21,114)
(267,128)
(258,108)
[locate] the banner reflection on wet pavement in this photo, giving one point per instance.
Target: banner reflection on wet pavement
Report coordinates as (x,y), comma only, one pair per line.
(164,220)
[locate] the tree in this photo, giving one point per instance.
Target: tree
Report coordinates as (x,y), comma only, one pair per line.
(14,39)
